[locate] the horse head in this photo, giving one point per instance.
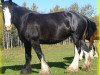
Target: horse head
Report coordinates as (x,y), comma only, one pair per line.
(6,7)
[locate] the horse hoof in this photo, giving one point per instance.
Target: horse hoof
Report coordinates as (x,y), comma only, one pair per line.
(45,72)
(71,70)
(86,68)
(26,71)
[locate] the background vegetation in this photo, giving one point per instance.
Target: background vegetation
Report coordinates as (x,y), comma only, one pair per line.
(1,27)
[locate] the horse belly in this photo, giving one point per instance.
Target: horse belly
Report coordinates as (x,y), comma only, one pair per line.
(55,37)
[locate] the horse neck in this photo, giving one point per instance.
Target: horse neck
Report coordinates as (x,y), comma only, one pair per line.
(18,14)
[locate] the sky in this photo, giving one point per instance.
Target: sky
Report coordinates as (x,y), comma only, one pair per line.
(46,5)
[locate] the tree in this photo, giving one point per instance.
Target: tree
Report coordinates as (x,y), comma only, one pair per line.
(95,19)
(34,7)
(56,9)
(73,7)
(1,27)
(87,10)
(24,4)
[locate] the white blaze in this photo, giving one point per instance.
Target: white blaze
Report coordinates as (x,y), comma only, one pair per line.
(7,17)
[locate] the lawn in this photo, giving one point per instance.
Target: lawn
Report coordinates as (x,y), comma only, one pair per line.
(58,57)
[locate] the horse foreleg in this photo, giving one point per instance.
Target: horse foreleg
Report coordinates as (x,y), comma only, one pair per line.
(27,67)
(45,70)
(96,53)
(91,47)
(92,53)
(75,63)
(74,66)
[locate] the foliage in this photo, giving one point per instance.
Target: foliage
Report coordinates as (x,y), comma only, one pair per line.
(1,27)
(34,7)
(95,18)
(87,10)
(73,7)
(56,9)
(25,5)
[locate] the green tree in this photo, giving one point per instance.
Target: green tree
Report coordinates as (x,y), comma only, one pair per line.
(95,18)
(73,7)
(1,27)
(34,7)
(87,10)
(24,4)
(0,2)
(56,9)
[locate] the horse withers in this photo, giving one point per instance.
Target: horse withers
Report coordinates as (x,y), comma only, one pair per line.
(35,29)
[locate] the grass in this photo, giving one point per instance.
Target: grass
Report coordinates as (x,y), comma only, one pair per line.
(58,57)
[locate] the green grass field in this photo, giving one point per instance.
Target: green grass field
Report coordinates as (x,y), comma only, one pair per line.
(58,57)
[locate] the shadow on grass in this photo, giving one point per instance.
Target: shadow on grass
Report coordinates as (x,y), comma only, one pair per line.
(69,59)
(35,66)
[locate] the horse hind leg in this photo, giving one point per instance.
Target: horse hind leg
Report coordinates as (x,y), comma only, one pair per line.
(45,70)
(81,55)
(88,59)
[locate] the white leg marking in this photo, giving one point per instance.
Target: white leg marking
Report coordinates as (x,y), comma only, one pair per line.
(92,53)
(44,68)
(75,63)
(44,65)
(81,55)
(88,61)
(96,54)
(86,57)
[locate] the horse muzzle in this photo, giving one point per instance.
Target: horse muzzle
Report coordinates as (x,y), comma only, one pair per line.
(8,28)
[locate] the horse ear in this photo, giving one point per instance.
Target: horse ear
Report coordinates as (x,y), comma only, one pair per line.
(2,1)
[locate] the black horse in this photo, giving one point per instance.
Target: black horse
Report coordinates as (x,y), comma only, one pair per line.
(35,29)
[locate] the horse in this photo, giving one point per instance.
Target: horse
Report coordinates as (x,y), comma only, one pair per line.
(35,29)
